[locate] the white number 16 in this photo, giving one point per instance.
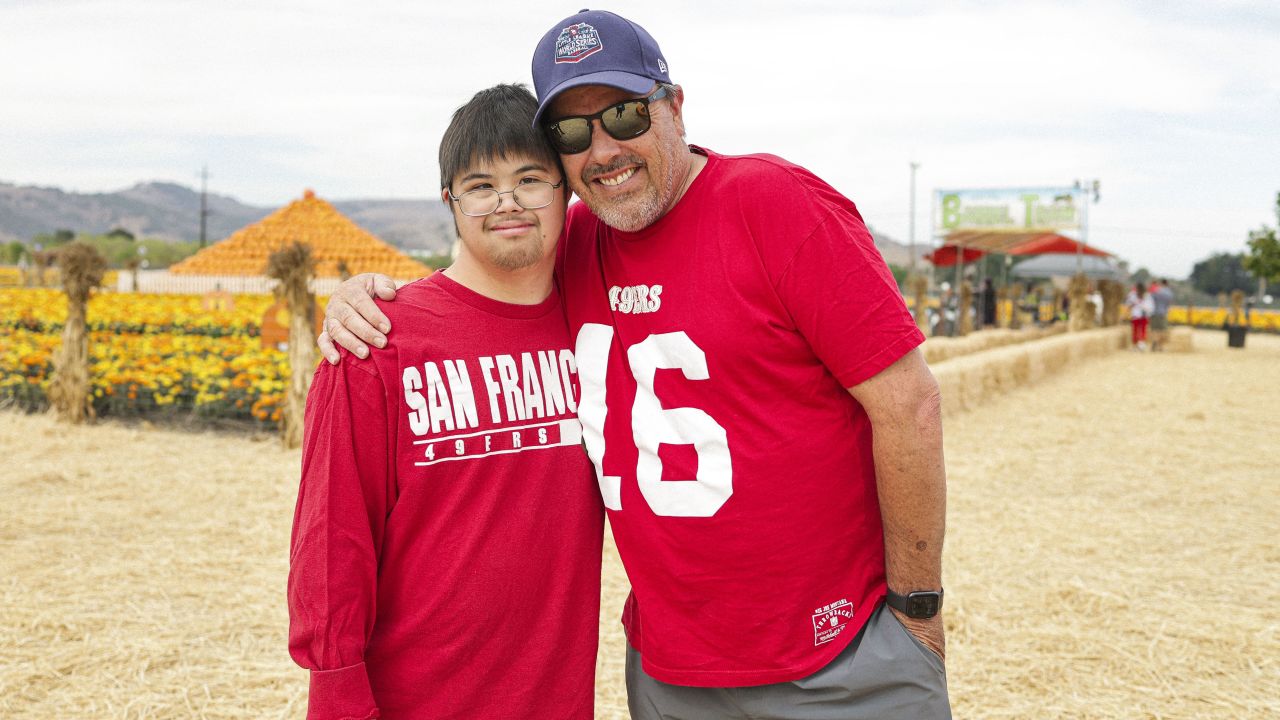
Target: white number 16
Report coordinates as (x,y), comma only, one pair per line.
(652,424)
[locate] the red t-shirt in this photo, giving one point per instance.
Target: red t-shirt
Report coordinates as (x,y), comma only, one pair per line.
(714,351)
(445,559)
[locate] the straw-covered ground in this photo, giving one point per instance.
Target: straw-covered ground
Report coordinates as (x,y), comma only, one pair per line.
(1112,553)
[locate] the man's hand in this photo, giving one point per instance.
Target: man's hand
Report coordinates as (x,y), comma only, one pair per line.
(352,319)
(927,631)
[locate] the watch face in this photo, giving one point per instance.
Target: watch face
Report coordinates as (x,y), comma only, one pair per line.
(922,605)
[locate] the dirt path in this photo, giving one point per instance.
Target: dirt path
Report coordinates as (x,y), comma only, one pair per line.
(1111,553)
(1111,546)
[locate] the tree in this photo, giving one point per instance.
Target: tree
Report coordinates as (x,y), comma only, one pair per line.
(13,252)
(899,274)
(1221,273)
(1263,260)
(54,239)
(121,233)
(1141,276)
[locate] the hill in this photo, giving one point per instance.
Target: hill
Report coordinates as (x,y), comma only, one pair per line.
(172,212)
(894,252)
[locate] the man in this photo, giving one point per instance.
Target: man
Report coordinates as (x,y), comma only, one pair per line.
(738,338)
(446,545)
(1161,301)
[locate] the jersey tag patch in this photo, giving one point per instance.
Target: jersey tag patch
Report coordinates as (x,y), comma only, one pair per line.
(829,621)
(577,42)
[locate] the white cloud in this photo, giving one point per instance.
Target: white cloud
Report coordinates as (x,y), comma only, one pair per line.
(1172,105)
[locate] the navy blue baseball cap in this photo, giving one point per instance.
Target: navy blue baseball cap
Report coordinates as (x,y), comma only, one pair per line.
(596,47)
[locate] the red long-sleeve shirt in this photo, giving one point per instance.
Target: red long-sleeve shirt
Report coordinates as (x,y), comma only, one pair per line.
(445,555)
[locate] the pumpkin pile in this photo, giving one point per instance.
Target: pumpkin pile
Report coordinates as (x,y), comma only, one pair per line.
(332,236)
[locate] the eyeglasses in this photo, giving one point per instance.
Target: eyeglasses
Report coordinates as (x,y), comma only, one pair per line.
(529,196)
(623,121)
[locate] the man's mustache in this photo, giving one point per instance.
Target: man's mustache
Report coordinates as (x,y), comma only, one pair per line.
(595,171)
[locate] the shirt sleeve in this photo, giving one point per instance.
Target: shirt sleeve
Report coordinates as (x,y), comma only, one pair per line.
(346,493)
(844,301)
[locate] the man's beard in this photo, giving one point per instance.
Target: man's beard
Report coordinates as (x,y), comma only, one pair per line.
(641,207)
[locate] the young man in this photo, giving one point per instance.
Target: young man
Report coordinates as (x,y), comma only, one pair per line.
(445,559)
(766,436)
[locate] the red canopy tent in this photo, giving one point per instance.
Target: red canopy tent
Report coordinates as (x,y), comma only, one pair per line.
(973,244)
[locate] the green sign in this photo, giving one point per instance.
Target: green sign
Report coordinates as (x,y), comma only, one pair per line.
(1009,209)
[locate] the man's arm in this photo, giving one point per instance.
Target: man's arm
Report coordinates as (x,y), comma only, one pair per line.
(905,408)
(343,500)
(352,319)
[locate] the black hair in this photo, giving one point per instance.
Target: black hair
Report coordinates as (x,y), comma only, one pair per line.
(496,123)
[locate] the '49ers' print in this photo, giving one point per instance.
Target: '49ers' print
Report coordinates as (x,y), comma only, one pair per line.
(652,425)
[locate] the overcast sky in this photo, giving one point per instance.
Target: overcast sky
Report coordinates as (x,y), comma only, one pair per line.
(1174,106)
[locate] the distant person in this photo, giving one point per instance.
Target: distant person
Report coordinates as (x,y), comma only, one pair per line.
(1140,310)
(1161,302)
(988,303)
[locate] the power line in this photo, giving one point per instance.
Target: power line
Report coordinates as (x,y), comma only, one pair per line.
(1167,233)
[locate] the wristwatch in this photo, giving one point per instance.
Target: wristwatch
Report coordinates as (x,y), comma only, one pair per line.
(921,604)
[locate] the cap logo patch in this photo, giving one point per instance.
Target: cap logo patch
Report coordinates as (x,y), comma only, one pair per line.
(576,42)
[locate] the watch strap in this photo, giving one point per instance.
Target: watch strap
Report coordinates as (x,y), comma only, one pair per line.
(905,605)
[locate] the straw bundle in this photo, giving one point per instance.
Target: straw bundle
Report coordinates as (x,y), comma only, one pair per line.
(132,265)
(1237,316)
(1113,294)
(1002,302)
(294,266)
(966,301)
(81,268)
(920,290)
(1080,317)
(1015,295)
(42,259)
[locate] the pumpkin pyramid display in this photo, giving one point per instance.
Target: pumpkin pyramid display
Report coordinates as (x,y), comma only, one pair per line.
(333,238)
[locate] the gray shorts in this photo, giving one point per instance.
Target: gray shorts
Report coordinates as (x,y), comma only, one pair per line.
(884,673)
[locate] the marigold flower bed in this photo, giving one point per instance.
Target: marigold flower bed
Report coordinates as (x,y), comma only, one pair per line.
(150,355)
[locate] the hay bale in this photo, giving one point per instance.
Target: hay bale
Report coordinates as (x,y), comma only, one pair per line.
(938,349)
(1179,339)
(969,380)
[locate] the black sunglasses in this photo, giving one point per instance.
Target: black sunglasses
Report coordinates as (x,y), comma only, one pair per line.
(623,121)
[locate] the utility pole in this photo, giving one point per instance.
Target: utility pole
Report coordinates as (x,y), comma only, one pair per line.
(1089,187)
(912,222)
(204,202)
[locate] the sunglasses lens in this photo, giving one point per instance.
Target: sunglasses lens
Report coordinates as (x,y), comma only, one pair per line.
(623,121)
(627,120)
(571,135)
